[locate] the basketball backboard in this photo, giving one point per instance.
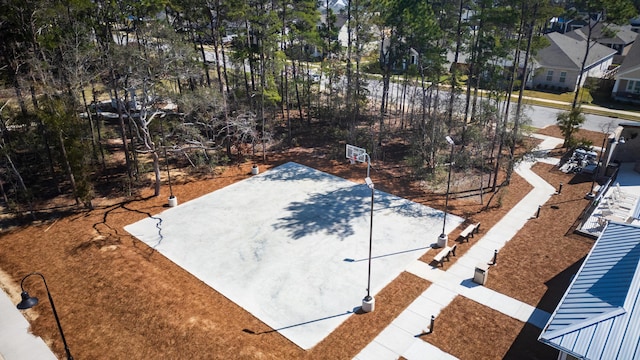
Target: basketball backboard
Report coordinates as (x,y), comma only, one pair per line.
(355,153)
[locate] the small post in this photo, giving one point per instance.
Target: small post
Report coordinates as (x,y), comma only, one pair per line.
(538,212)
(433,320)
(560,189)
(495,257)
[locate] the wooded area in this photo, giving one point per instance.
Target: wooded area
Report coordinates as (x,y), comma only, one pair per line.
(194,84)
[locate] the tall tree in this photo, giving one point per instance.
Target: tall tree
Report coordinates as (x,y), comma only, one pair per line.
(600,11)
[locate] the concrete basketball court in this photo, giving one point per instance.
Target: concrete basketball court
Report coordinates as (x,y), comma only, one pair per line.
(291,245)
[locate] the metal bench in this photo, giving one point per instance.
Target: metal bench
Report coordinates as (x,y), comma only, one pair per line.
(469,231)
(445,253)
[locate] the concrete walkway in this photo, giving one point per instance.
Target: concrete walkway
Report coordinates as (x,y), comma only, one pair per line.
(16,342)
(399,338)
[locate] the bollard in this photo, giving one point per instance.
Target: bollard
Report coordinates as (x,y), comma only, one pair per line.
(538,212)
(495,257)
(433,320)
(560,189)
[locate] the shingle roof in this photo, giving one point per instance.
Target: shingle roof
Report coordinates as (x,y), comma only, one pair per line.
(567,53)
(599,315)
(623,34)
(631,62)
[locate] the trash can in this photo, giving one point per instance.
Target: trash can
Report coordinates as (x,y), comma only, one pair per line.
(480,275)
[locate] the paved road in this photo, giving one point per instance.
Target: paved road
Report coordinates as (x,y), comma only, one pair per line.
(541,116)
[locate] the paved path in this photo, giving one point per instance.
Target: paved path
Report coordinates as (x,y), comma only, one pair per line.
(16,342)
(399,338)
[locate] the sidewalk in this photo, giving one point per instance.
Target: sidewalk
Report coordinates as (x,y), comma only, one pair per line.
(399,338)
(630,115)
(16,342)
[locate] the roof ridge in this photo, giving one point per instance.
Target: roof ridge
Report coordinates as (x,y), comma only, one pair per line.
(618,311)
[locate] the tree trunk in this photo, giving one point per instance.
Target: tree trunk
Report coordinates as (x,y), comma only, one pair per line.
(67,166)
(123,131)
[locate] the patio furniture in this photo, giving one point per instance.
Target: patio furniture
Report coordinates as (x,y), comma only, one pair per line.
(636,211)
(618,190)
(616,218)
(444,254)
(627,202)
(469,231)
(609,206)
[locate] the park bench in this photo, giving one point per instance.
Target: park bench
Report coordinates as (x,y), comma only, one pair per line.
(444,254)
(469,231)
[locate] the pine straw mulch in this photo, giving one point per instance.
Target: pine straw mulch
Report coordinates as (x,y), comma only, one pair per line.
(117,298)
(534,267)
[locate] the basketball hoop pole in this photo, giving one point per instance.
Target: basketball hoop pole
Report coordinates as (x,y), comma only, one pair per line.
(368,163)
(368,303)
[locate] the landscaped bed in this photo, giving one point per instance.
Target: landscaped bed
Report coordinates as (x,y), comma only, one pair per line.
(117,298)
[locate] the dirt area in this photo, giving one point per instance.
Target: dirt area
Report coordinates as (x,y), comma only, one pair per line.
(117,298)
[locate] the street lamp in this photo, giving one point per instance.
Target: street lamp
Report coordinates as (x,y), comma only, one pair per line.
(443,238)
(368,303)
(28,302)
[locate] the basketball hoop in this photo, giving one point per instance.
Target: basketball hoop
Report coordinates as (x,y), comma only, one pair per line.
(356,154)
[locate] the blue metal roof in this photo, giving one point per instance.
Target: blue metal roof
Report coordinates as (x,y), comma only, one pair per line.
(599,315)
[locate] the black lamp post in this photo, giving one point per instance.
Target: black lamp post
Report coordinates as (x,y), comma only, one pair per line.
(368,303)
(28,302)
(442,239)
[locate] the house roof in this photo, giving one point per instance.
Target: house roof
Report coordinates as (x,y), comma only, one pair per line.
(567,53)
(623,34)
(630,67)
(599,314)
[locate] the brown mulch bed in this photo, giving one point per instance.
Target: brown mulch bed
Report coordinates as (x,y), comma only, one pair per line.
(594,137)
(117,298)
(534,278)
(468,330)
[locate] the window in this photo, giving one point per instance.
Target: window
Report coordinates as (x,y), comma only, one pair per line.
(633,86)
(550,75)
(563,76)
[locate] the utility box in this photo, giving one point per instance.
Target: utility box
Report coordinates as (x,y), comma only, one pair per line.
(481,273)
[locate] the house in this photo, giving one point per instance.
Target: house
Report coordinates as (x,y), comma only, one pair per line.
(340,24)
(599,313)
(627,85)
(558,65)
(563,25)
(635,24)
(620,38)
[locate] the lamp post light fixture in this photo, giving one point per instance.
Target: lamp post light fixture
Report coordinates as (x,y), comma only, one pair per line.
(369,303)
(28,302)
(443,238)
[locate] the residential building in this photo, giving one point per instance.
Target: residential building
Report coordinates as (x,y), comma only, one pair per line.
(558,65)
(599,313)
(627,85)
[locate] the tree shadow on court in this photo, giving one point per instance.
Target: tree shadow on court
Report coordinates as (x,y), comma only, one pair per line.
(334,212)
